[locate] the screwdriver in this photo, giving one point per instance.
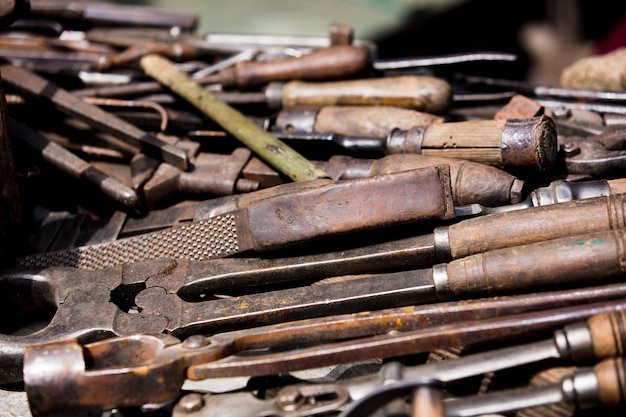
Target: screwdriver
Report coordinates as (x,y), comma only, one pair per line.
(601,385)
(512,143)
(601,337)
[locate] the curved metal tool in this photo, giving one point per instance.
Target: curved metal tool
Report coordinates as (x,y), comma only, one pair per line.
(596,155)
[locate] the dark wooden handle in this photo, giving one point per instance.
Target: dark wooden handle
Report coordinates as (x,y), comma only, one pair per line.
(349,206)
(520,227)
(331,63)
(423,93)
(565,261)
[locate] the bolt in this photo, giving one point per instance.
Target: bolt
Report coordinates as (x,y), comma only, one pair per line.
(570,149)
(195,341)
(190,403)
(289,399)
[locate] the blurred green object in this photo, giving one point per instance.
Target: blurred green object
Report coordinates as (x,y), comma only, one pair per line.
(369,18)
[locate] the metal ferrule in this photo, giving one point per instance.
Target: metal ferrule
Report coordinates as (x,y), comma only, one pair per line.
(441,237)
(561,191)
(581,389)
(274,95)
(574,342)
(297,119)
(440,280)
(406,141)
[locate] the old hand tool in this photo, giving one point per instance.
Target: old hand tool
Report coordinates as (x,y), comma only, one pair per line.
(161,364)
(312,211)
(464,238)
(510,144)
(165,293)
(266,146)
(576,342)
(364,121)
(601,385)
(329,63)
(66,161)
(601,337)
(36,87)
(598,155)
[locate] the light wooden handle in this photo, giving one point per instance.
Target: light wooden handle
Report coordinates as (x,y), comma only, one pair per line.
(423,93)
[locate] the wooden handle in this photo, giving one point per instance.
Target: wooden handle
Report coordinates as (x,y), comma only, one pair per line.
(617,186)
(471,182)
(611,374)
(603,72)
(565,261)
(350,206)
(370,121)
(331,63)
(519,227)
(512,143)
(608,334)
(423,93)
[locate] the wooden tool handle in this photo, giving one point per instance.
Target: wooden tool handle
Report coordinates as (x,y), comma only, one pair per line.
(423,93)
(608,334)
(349,206)
(565,261)
(471,182)
(611,375)
(519,227)
(331,63)
(617,186)
(512,143)
(370,121)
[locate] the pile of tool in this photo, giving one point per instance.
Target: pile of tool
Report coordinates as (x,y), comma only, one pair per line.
(245,225)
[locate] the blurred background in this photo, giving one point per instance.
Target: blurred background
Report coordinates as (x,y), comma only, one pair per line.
(546,34)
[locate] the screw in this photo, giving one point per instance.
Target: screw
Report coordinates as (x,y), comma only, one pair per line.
(190,403)
(289,399)
(570,149)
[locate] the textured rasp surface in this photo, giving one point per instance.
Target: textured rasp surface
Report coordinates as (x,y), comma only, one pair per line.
(210,238)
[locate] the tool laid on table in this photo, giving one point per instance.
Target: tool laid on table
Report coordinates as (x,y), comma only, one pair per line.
(576,342)
(313,211)
(510,144)
(117,370)
(170,295)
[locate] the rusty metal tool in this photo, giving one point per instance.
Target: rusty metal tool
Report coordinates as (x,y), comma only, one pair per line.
(71,164)
(598,155)
(313,211)
(168,295)
(464,238)
(509,144)
(34,86)
(600,337)
(269,148)
(576,342)
(162,363)
(601,385)
(211,175)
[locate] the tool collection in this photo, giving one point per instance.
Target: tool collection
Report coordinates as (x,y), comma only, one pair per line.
(247,225)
